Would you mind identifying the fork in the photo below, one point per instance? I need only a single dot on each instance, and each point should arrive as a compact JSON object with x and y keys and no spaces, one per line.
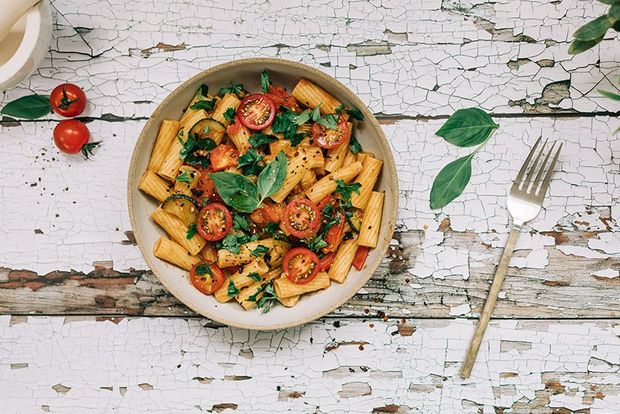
{"x":524,"y":203}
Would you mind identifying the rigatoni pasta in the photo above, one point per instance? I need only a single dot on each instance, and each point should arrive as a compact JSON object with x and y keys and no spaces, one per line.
{"x":263,"y":197}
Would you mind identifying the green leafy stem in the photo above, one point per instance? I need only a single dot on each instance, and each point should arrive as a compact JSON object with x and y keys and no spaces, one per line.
{"x":592,"y":33}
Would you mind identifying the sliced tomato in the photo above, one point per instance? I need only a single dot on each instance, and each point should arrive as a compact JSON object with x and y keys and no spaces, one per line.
{"x":206,"y":277}
{"x":256,"y":111}
{"x":281,"y":98}
{"x":300,"y":265}
{"x":234,"y":127}
{"x":268,"y":213}
{"x":209,"y":253}
{"x":207,"y":186}
{"x":326,"y":262}
{"x":302,"y":218}
{"x":331,"y":138}
{"x":360,"y":257}
{"x":214,"y":222}
{"x":224,"y":156}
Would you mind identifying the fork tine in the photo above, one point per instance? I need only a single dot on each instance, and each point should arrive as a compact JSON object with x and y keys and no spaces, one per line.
{"x":542,"y":170}
{"x":526,"y":163}
{"x":533,"y":168}
{"x":543,"y":189}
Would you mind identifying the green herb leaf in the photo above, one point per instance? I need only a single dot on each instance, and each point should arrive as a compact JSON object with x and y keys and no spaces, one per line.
{"x":229,"y":114}
{"x":28,"y":107}
{"x":272,"y":177}
{"x":264,"y":81}
{"x":240,"y":222}
{"x":235,"y":88}
{"x":232,"y":242}
{"x":258,"y":138}
{"x":316,"y":243}
{"x":260,"y":250}
{"x":614,"y":11}
{"x":191,"y":231}
{"x":206,"y":104}
{"x":236,"y":190}
{"x":232,"y":289}
{"x":467,"y":127}
{"x":346,"y":190}
{"x":610,"y":95}
{"x":578,"y":46}
{"x":250,"y":162}
{"x":594,"y":29}
{"x":451,"y":181}
{"x":255,"y":277}
{"x":184,"y":177}
{"x":354,"y":145}
{"x":316,"y":113}
{"x":353,"y":112}
{"x":203,"y":90}
{"x":329,"y":121}
{"x":268,"y":299}
{"x":271,"y":228}
{"x":203,"y":269}
{"x":194,"y":150}
{"x":302,"y":118}
{"x":297,"y":138}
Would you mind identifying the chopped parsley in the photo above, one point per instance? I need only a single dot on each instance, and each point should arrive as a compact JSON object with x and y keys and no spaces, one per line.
{"x":240,"y":222}
{"x":285,"y":123}
{"x":194,"y":150}
{"x":258,"y":138}
{"x":250,"y":162}
{"x":255,"y":277}
{"x":184,"y":177}
{"x":268,"y":299}
{"x":232,"y":242}
{"x":235,"y":88}
{"x":203,"y":90}
{"x":206,"y":104}
{"x":229,"y":114}
{"x":264,"y":81}
{"x":346,"y":190}
{"x":271,"y":228}
{"x":353,"y":111}
{"x":232,"y":289}
{"x":328,"y":121}
{"x":354,"y":145}
{"x":203,"y":269}
{"x":316,"y":243}
{"x":191,"y":231}
{"x":260,"y":250}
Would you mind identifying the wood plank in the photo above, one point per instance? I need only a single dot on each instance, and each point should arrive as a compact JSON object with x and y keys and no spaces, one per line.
{"x":404,"y":58}
{"x":350,"y":366}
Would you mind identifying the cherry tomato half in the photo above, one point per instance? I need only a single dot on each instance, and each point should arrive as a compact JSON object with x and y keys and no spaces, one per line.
{"x":300,"y":265}
{"x":256,"y":111}
{"x":224,"y":156}
{"x":335,"y":233}
{"x":71,"y":136}
{"x":214,"y":222}
{"x":206,"y":277}
{"x":68,"y":100}
{"x":331,"y":138}
{"x":360,"y":257}
{"x":281,"y":98}
{"x":206,"y":184}
{"x":268,"y":213}
{"x":326,"y":262}
{"x":302,"y":218}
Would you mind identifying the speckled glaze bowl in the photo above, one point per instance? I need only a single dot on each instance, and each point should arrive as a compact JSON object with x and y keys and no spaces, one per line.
{"x":312,"y":306}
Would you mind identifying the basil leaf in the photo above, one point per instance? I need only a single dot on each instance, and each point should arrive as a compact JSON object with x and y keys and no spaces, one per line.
{"x":594,"y":29}
{"x":235,"y":88}
{"x":353,"y":112}
{"x":297,"y":138}
{"x":467,"y":127}
{"x":236,"y":190}
{"x":250,"y":162}
{"x":260,"y":250}
{"x":302,"y":118}
{"x":614,"y":11}
{"x":328,"y":121}
{"x":577,"y":46}
{"x":451,"y":181}
{"x":28,"y":107}
{"x":354,"y":145}
{"x":347,"y":190}
{"x":257,"y":139}
{"x":255,"y":277}
{"x":184,"y":177}
{"x":206,"y":104}
{"x":203,"y":90}
{"x":240,"y":222}
{"x":191,"y":231}
{"x":272,"y":177}
{"x":316,"y":113}
{"x":610,"y":95}
{"x":264,"y":81}
{"x":232,"y":290}
{"x":229,"y":114}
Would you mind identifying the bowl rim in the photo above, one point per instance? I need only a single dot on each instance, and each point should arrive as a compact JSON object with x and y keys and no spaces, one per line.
{"x":389,"y":168}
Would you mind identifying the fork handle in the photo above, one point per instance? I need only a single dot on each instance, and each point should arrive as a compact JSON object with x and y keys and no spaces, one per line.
{"x":483,"y":322}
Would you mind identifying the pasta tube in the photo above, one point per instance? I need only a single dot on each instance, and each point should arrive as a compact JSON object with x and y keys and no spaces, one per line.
{"x":170,"y":166}
{"x":229,"y":100}
{"x":367,"y":178}
{"x":177,"y":231}
{"x":186,"y":180}
{"x":312,"y":96}
{"x":343,"y":260}
{"x":249,"y":296}
{"x":350,"y":158}
{"x":154,"y":186}
{"x":281,"y":145}
{"x":241,"y":279}
{"x":174,"y":253}
{"x":227,"y":258}
{"x":285,"y":288}
{"x":167,"y":134}
{"x":371,"y":221}
{"x":308,"y":180}
{"x":295,"y":171}
{"x":335,"y":157}
{"x":290,"y":301}
{"x":314,"y":157}
{"x":327,"y":184}
{"x":239,"y":134}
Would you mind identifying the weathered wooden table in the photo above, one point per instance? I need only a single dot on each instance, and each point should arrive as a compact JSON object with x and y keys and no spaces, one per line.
{"x":86,"y":328}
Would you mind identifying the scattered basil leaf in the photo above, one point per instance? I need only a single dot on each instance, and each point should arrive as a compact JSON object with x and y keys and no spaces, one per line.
{"x":268,"y":299}
{"x":203,"y":90}
{"x":614,"y":11}
{"x":271,"y":228}
{"x":315,"y":243}
{"x":354,"y":145}
{"x":184,"y":177}
{"x":316,"y":113}
{"x":451,"y":181}
{"x":285,"y":123}
{"x":329,"y":121}
{"x":255,"y":277}
{"x":272,"y":177}
{"x":258,"y":138}
{"x":594,"y":29}
{"x":346,"y":190}
{"x":260,"y":250}
{"x":264,"y":81}
{"x":250,"y":162}
{"x":28,"y":107}
{"x":229,"y":114}
{"x":235,"y":88}
{"x":302,"y":118}
{"x":191,"y":231}
{"x":232,"y":242}
{"x":240,"y":222}
{"x":195,"y":150}
{"x":297,"y":138}
{"x":578,"y":46}
{"x":354,"y":112}
{"x":232,"y":290}
{"x":204,"y":269}
{"x":467,"y":127}
{"x":236,"y":190}
{"x":206,"y":104}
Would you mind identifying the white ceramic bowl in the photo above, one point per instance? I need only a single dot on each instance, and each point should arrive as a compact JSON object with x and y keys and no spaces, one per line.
{"x":22,"y":51}
{"x":312,"y":306}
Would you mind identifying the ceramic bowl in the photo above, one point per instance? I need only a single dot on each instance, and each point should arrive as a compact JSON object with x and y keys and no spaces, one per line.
{"x":22,"y":51}
{"x":311,"y":306}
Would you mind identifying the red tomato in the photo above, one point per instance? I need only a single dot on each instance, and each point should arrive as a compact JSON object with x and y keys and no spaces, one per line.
{"x":300,"y":265}
{"x":334,"y":234}
{"x":256,"y":111}
{"x":331,"y":138}
{"x":206,"y":184}
{"x":281,"y":98}
{"x":268,"y":213}
{"x":68,"y":100}
{"x":360,"y":257}
{"x":206,"y":277}
{"x":224,"y":156}
{"x":71,"y":136}
{"x":326,"y":262}
{"x":302,"y":218}
{"x":214,"y":222}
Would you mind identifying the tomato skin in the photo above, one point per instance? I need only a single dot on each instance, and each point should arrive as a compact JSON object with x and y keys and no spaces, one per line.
{"x":71,"y":135}
{"x":281,"y":98}
{"x":253,"y":105}
{"x":334,"y":235}
{"x":309,"y":260}
{"x":360,"y":257}
{"x":224,"y":156}
{"x":326,"y":262}
{"x":302,"y":218}
{"x":206,"y":184}
{"x":68,"y":100}
{"x":206,"y":283}
{"x":331,"y":138}
{"x":268,"y":213}
{"x":214,"y":222}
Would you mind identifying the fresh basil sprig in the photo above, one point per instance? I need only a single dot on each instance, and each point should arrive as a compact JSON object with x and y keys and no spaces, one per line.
{"x":242,"y":194}
{"x":465,"y":128}
{"x":28,"y":107}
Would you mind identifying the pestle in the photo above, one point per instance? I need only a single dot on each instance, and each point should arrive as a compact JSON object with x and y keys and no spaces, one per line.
{"x":12,"y":11}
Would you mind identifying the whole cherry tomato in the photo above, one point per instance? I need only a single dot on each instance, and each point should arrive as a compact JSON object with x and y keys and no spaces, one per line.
{"x":68,"y":100}
{"x":71,"y":136}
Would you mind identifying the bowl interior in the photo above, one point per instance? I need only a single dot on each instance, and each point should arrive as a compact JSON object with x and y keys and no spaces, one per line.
{"x":10,"y":44}
{"x":176,"y":280}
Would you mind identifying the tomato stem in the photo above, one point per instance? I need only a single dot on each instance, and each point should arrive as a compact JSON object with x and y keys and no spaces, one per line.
{"x":87,"y":149}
